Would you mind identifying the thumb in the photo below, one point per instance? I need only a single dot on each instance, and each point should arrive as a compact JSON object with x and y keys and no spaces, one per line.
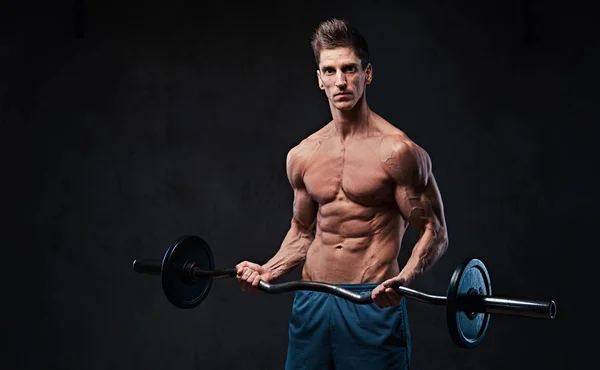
{"x":255,"y":266}
{"x":392,"y":283}
{"x":250,"y":265}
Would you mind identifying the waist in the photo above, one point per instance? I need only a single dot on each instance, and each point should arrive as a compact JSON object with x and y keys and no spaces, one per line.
{"x":361,"y":288}
{"x":357,"y":287}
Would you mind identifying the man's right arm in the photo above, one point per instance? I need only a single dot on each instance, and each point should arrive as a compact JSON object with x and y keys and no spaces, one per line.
{"x":299,"y":237}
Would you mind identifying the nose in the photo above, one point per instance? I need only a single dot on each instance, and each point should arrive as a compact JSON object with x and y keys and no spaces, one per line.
{"x":340,"y":81}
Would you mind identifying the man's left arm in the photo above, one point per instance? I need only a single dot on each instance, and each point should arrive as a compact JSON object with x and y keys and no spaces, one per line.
{"x":424,"y":211}
{"x":420,"y":203}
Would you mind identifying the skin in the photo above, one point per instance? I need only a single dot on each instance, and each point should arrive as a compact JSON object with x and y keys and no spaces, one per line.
{"x":358,"y":183}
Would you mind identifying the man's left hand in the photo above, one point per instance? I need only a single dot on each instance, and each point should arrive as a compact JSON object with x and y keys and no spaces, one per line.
{"x":385,"y":295}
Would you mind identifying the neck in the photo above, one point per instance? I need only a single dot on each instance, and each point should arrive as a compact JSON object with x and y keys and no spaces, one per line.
{"x":351,"y":122}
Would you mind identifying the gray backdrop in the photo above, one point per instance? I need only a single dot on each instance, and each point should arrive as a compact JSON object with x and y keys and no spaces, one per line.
{"x":128,"y":124}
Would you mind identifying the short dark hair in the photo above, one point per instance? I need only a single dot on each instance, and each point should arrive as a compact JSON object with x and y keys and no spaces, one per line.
{"x":335,"y":33}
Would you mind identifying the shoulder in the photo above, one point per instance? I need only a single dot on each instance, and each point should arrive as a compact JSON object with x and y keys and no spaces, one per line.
{"x":304,"y":149}
{"x":404,"y":160}
{"x":398,"y":145}
{"x":299,"y":155}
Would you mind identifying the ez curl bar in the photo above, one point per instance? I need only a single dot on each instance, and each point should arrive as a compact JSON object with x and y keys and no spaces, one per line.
{"x":187,"y":273}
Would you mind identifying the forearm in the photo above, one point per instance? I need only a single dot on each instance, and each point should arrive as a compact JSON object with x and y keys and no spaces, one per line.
{"x":291,"y":253}
{"x":427,"y":251}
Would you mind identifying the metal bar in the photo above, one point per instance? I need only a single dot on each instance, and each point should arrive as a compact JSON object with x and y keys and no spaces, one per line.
{"x":519,"y":307}
{"x":147,"y":267}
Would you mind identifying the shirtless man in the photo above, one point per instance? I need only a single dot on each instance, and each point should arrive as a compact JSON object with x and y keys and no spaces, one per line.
{"x":358,"y":183}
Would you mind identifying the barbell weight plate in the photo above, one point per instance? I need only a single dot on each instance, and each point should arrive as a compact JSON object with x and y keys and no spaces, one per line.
{"x":179,"y":291}
{"x":467,"y":329}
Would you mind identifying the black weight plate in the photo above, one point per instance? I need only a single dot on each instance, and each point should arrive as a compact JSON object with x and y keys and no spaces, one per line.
{"x":181,"y":293}
{"x":467,"y":329}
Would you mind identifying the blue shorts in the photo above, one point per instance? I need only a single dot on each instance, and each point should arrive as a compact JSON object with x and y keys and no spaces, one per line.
{"x":328,"y":332}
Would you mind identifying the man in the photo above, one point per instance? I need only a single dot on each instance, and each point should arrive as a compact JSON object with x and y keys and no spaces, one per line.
{"x":358,"y":183}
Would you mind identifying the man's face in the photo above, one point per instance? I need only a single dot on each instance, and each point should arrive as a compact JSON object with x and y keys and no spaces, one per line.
{"x":342,"y":78}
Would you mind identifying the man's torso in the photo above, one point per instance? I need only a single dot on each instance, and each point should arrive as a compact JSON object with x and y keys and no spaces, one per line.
{"x":359,"y":227}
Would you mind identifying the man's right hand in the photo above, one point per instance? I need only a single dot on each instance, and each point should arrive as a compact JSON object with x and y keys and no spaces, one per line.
{"x":249,"y":274}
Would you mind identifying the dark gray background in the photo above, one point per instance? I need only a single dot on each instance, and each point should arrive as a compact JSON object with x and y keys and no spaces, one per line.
{"x":128,"y":124}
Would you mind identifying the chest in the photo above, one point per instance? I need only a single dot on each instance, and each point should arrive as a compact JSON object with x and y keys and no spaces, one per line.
{"x":352,"y":171}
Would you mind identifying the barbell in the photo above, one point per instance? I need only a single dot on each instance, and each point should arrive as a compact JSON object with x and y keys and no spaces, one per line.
{"x":187,"y":273}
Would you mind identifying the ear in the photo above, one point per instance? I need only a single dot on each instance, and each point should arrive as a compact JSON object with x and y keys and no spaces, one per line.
{"x":321,"y":86}
{"x":369,"y":73}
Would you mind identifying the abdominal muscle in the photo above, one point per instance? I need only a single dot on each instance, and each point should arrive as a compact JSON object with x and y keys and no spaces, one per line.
{"x":354,"y":244}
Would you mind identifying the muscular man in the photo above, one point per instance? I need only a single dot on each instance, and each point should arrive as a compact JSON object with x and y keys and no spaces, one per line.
{"x":358,"y":183}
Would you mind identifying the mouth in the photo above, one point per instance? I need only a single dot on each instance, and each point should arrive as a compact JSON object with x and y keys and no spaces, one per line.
{"x":343,"y":94}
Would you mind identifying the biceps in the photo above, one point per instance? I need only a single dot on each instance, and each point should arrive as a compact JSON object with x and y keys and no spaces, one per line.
{"x":422,"y":208}
{"x":305,"y":210}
